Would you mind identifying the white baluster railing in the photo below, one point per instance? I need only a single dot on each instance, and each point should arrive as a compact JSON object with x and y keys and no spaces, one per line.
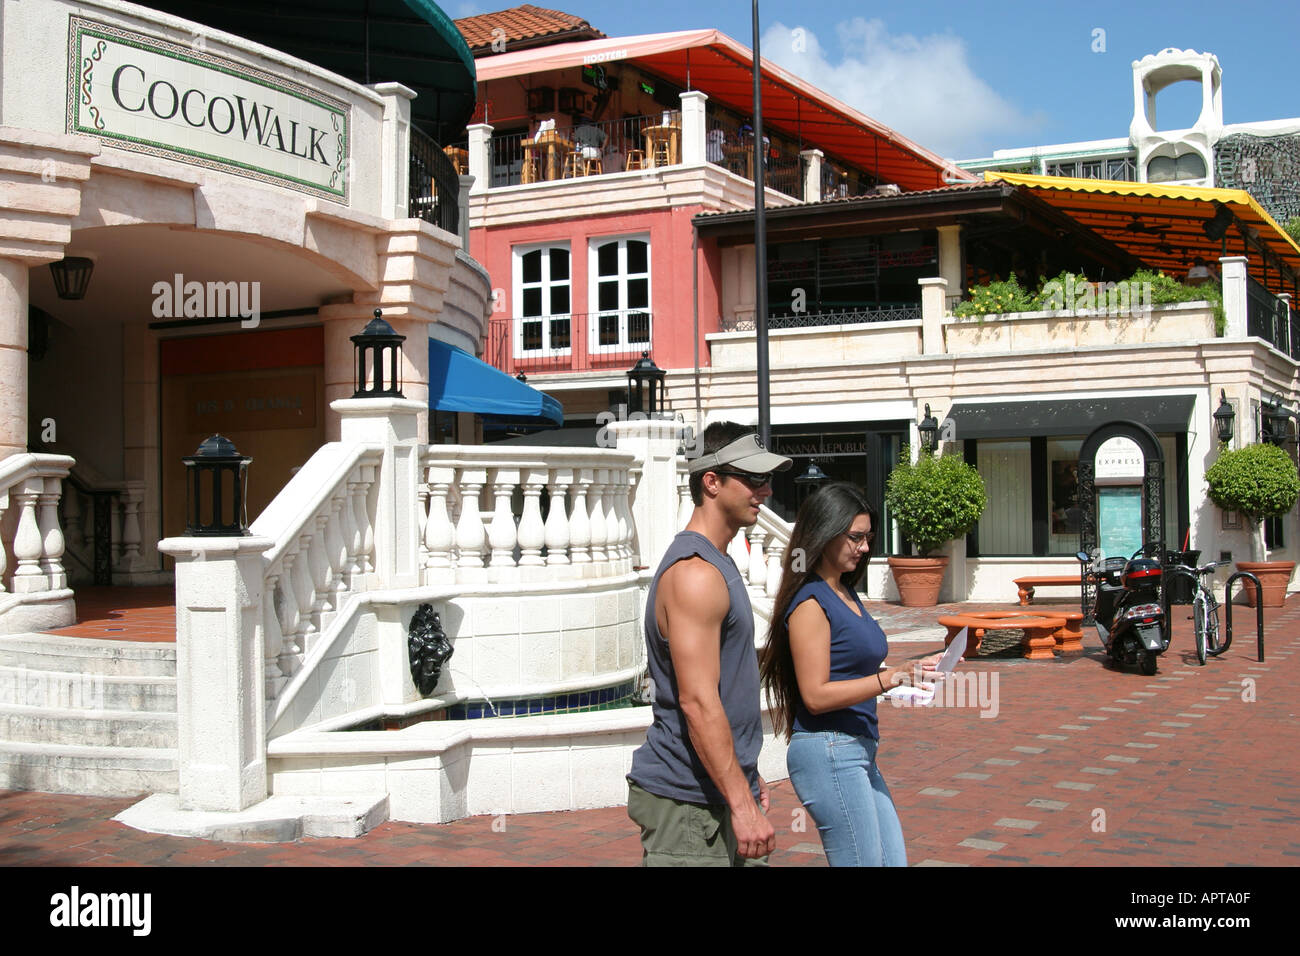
{"x":322,"y":524}
{"x":32,"y":485}
{"x":584,"y":528}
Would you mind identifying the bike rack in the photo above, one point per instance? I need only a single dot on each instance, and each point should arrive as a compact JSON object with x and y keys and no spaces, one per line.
{"x":1259,"y":613}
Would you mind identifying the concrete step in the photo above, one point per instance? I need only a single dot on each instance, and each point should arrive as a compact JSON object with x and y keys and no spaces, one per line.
{"x":87,"y":727}
{"x":278,"y":819}
{"x":53,"y":652}
{"x":29,"y":687}
{"x":94,"y":771}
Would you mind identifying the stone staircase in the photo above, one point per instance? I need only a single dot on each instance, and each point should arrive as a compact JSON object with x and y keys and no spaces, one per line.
{"x":79,"y":715}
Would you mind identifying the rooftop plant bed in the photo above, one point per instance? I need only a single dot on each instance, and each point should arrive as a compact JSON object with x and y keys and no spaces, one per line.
{"x":1074,"y":292}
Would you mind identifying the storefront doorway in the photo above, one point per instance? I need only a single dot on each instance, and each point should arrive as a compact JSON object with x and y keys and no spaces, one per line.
{"x":862,"y":453}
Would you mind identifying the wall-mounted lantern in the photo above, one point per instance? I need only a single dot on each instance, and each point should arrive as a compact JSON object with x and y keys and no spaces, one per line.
{"x":378,"y":352}
{"x":216,"y":490}
{"x":72,"y":276}
{"x":1277,"y":420}
{"x":1224,"y":418}
{"x":929,"y":430}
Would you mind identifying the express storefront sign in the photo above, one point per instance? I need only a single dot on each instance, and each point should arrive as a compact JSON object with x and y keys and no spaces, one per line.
{"x":151,"y":95}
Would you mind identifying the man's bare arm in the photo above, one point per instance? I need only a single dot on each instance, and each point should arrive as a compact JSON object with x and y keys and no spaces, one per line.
{"x":692,"y":603}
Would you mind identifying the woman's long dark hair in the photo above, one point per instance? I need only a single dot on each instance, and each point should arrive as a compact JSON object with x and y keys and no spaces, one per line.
{"x":826,"y":514}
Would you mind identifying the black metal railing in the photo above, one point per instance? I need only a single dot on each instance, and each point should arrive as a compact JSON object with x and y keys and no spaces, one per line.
{"x":568,"y":152}
{"x":576,"y":342}
{"x":729,"y":143}
{"x":434,"y":185}
{"x":886,"y":312}
{"x":1268,"y":318}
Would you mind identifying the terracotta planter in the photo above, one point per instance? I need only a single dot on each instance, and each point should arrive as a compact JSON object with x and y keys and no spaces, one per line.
{"x":1273,"y":576}
{"x":918,"y":579}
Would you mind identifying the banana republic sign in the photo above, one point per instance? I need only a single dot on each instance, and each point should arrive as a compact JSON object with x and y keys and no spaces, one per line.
{"x":180,"y":102}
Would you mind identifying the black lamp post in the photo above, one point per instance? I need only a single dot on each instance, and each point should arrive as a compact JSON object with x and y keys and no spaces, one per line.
{"x":72,"y":276}
{"x":645,"y":386}
{"x":379,"y":349}
{"x":929,"y":429}
{"x":1224,"y":417}
{"x":216,"y":488}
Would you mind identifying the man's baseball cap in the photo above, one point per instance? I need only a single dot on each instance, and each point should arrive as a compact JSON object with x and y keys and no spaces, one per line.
{"x":746,"y":453}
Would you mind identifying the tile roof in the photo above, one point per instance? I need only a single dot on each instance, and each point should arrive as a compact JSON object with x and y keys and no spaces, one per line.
{"x":525,"y":25}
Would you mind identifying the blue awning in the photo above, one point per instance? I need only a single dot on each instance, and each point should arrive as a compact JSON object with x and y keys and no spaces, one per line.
{"x":458,"y":382}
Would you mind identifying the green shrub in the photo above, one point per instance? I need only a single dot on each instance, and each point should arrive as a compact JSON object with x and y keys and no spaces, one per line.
{"x":995,"y":299}
{"x":1292,"y":228}
{"x":935,"y":500}
{"x":1259,"y":481}
{"x":998,"y":298}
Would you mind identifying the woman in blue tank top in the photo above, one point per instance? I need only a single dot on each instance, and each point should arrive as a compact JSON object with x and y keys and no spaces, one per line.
{"x":821,"y":670}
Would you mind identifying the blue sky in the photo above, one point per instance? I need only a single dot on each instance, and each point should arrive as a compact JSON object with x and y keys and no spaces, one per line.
{"x":964,"y":78}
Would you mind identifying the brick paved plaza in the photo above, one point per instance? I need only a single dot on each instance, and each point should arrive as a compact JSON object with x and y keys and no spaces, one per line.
{"x":1081,"y":766}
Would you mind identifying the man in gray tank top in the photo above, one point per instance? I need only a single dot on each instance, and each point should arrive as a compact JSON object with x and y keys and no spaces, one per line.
{"x":694,"y":787}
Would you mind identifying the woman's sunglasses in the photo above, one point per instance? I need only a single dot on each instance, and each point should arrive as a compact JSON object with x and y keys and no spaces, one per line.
{"x":857,"y":538}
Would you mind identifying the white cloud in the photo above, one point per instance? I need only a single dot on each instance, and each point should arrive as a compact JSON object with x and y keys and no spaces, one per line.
{"x":924,"y":87}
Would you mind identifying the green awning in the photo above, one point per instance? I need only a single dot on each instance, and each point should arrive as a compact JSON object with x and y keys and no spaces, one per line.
{"x":411,"y":42}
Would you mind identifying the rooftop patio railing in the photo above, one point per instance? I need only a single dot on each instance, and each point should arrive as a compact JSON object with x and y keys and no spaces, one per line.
{"x":569,"y":152}
{"x":1269,"y":317}
{"x":729,"y":143}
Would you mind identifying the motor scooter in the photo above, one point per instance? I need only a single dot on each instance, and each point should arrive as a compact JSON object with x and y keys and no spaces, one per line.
{"x":1129,"y":616}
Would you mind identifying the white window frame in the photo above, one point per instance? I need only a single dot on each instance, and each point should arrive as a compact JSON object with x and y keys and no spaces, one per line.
{"x":594,"y":313}
{"x":546,"y":284}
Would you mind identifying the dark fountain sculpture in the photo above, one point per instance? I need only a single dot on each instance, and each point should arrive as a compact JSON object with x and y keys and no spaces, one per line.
{"x":428,"y":647}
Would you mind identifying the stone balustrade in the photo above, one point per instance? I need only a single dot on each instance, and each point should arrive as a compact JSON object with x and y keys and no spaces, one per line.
{"x":34,"y":590}
{"x":322,"y":524}
{"x":483,"y":520}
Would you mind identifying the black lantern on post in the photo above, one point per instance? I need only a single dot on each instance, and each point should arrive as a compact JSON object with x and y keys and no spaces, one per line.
{"x":216,"y":489}
{"x":809,"y":481}
{"x":72,"y":276}
{"x":1224,"y":417}
{"x":929,"y":429}
{"x":645,"y":386}
{"x":379,"y":349}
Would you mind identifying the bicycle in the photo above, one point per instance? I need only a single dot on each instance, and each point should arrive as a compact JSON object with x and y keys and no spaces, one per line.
{"x":1205,"y":611}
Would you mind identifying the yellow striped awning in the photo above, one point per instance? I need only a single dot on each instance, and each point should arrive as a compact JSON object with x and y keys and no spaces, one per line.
{"x":1162,"y":224}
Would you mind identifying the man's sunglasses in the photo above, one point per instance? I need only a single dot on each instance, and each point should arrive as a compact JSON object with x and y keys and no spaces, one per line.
{"x":754,"y":481}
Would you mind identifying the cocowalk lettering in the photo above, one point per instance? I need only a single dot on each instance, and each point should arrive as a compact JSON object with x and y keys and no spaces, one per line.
{"x":151,"y":95}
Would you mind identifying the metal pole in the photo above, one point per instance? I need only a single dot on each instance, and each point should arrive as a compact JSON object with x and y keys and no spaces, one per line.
{"x":760,"y":248}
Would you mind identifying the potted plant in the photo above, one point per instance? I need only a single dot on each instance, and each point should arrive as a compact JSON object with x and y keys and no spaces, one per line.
{"x":1258,"y":482}
{"x":935,"y":500}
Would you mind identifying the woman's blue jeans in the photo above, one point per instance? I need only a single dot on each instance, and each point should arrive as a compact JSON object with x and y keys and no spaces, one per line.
{"x":836,"y":778}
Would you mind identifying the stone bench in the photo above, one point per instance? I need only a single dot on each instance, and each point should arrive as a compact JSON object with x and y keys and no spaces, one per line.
{"x":1044,"y":633}
{"x":1027,"y":584}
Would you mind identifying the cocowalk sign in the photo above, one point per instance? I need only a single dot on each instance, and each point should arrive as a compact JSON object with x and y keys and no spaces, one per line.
{"x":180,"y":102}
